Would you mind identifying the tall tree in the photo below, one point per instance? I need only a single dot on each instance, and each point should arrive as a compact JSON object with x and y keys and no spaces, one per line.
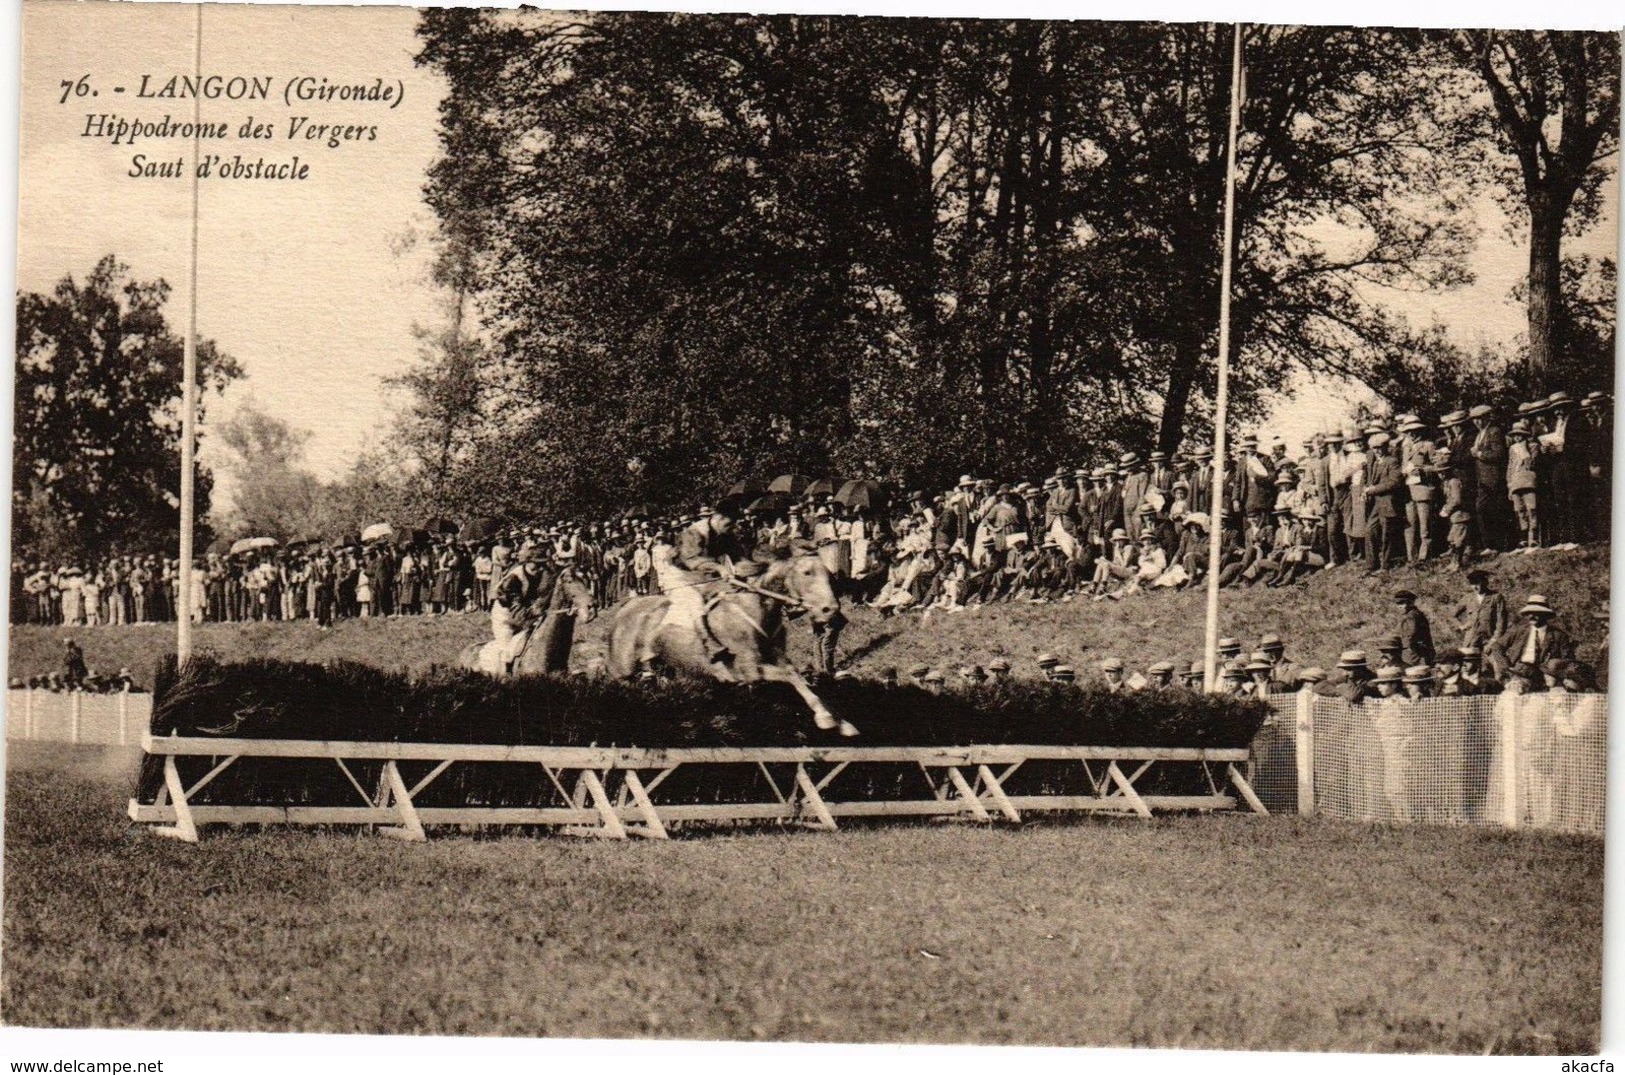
{"x":96,"y":446}
{"x":731,"y":244}
{"x":1555,"y":101}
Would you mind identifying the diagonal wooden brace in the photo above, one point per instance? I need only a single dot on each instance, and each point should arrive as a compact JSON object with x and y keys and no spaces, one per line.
{"x":1246,"y":790}
{"x":811,"y":800}
{"x":184,"y":828}
{"x":651,"y":827}
{"x":995,"y":791}
{"x":1126,"y":786}
{"x":411,"y":826}
{"x":967,"y":794}
{"x":609,"y":826}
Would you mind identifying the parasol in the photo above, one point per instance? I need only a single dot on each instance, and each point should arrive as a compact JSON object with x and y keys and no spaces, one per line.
{"x":772,"y":503}
{"x":640,"y":511}
{"x":251,"y":544}
{"x":794,"y":484}
{"x":482,"y":528}
{"x":377,"y":532}
{"x":821,"y":487}
{"x":746,"y":489}
{"x":861,"y":494}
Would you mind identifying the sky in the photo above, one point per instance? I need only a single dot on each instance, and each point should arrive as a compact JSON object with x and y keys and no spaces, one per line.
{"x":316,"y":286}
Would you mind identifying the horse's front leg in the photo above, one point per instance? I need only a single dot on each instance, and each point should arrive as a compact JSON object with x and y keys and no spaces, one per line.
{"x":775,"y":673}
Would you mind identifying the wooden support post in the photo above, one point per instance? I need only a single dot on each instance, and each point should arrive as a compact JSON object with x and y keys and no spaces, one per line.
{"x":1305,"y":745}
{"x":967,"y":794}
{"x":1127,"y":788}
{"x":812,"y":800}
{"x":123,"y":717}
{"x":651,"y":827}
{"x":1246,"y":789}
{"x":1511,"y":785}
{"x":184,"y":828}
{"x":411,"y":827}
{"x":75,"y":704}
{"x":995,"y":791}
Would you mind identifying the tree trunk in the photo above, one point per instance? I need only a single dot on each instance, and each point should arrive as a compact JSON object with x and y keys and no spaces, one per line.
{"x":1546,"y":212}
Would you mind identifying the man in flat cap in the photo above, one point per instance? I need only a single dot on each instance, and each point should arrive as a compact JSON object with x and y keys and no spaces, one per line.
{"x":1482,"y":617}
{"x":1415,"y":633}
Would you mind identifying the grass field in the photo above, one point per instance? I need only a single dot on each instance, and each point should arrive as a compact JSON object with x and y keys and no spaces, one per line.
{"x":1332,"y":611}
{"x":1221,"y":932}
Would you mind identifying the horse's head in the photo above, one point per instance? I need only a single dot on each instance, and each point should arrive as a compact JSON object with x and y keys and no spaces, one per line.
{"x":573,"y":594}
{"x":805,"y":580}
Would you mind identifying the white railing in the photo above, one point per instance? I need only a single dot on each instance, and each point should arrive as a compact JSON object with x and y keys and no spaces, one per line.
{"x":77,"y":716}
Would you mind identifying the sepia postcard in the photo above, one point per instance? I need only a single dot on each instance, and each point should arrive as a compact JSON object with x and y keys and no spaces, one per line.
{"x":702,"y":528}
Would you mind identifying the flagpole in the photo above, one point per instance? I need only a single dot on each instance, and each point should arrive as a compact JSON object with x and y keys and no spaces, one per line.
{"x":183,"y":612}
{"x":1221,"y":401}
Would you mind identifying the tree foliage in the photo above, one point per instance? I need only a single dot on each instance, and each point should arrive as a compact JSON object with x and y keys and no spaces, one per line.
{"x":96,"y":445}
{"x":1554,"y":112}
{"x":708,"y":246}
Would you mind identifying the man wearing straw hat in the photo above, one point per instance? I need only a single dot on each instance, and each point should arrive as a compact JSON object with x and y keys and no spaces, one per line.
{"x":1532,"y":641}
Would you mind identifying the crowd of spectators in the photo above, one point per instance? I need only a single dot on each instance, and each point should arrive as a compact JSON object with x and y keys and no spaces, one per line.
{"x":1526,"y":652}
{"x":1375,"y":495}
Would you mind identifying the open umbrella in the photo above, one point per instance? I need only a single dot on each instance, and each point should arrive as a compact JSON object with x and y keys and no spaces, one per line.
{"x":251,"y":544}
{"x":821,"y":487}
{"x":750,"y":487}
{"x":861,"y":494}
{"x":640,"y":511}
{"x":794,"y":484}
{"x":440,"y":525}
{"x":481,"y":528}
{"x":772,"y":503}
{"x":377,"y":532}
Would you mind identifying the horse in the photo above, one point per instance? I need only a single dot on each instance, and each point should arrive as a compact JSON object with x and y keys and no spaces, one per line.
{"x":547,"y":647}
{"x":748,"y":619}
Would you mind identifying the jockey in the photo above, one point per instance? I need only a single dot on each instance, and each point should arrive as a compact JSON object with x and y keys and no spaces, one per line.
{"x":523,"y":585}
{"x":706,"y":552}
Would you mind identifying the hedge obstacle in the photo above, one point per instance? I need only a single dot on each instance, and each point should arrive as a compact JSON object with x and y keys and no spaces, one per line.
{"x":269,"y":742}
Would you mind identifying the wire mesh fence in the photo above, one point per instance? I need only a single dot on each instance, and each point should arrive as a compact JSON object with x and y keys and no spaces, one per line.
{"x":1518,"y":760}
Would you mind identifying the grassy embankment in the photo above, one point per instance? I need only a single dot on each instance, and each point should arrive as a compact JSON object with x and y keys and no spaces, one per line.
{"x":1332,"y":611}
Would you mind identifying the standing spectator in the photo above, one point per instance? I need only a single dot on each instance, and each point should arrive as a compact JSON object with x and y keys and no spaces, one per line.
{"x":1415,"y":633}
{"x":1382,"y":491}
{"x":1489,"y":452}
{"x":73,"y":663}
{"x":1482,"y":616}
{"x":1521,"y":482}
